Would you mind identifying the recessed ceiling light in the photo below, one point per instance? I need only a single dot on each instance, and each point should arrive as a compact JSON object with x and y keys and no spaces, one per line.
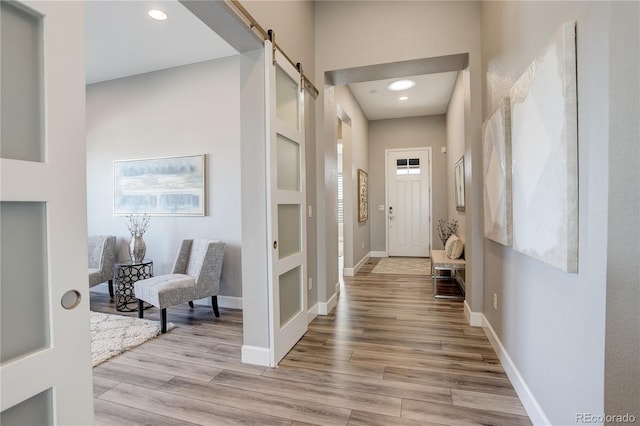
{"x":403,"y":98}
{"x":399,"y":85}
{"x":158,"y":14}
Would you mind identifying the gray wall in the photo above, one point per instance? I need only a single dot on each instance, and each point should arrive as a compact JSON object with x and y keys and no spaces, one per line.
{"x":355,"y":156}
{"x":550,"y":322}
{"x":413,"y":132}
{"x":622,"y":368}
{"x":293,"y":23}
{"x":428,"y":29}
{"x":455,"y":150}
{"x":193,"y":109}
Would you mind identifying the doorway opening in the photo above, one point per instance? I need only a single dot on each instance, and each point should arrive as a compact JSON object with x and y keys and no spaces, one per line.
{"x":408,"y":198}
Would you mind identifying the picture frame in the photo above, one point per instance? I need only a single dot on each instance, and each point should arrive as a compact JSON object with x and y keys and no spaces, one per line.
{"x":458,"y":172}
{"x":544,"y":154}
{"x":161,"y":186}
{"x":363,"y":196}
{"x":496,"y":151}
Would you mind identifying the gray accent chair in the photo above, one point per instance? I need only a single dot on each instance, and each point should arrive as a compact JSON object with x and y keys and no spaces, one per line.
{"x":195,"y":275}
{"x":102,"y":256}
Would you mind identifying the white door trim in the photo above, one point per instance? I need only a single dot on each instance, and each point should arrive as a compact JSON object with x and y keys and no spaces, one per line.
{"x":427,"y":149}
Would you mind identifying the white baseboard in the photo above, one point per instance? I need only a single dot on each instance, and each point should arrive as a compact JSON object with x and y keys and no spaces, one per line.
{"x":100,"y":288}
{"x":534,"y":410}
{"x":312,"y":313}
{"x":474,"y":318}
{"x":255,"y":355}
{"x":325,"y":307}
{"x":230,"y":302}
{"x":379,"y":254}
{"x":350,"y":272}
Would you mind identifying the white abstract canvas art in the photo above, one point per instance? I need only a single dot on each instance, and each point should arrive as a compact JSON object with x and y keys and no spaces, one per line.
{"x":545,"y":155}
{"x":496,"y":149}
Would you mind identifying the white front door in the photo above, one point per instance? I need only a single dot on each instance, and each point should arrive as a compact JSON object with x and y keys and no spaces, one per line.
{"x":408,"y":202}
{"x":45,"y":362}
{"x":286,"y":204}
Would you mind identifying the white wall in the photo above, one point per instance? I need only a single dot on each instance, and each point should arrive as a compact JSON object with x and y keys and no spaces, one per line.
{"x":551,"y":323}
{"x":193,"y":109}
{"x":412,"y":132}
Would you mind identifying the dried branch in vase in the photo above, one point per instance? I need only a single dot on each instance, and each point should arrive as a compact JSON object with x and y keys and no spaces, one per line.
{"x":138,"y":225}
{"x":447,"y":229}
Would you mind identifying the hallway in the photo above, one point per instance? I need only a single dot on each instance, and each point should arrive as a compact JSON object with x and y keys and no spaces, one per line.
{"x":388,"y":354}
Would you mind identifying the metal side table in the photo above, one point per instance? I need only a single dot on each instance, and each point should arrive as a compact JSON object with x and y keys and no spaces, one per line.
{"x":124,"y":276}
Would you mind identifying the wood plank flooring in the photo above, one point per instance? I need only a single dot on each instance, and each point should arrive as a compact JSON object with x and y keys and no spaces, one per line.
{"x":388,"y":354}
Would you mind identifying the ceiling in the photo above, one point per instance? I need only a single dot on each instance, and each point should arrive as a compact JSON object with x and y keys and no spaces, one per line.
{"x":430,"y":96}
{"x":122,"y":40}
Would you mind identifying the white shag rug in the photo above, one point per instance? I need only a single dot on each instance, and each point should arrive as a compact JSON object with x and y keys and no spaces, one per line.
{"x":113,"y":334}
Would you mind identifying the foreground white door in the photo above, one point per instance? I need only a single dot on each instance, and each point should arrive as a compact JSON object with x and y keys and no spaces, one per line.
{"x":45,"y":365}
{"x":408,"y":202}
{"x":286,"y":205}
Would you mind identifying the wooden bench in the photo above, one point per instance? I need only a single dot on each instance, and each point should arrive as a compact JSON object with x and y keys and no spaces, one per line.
{"x":440,"y":262}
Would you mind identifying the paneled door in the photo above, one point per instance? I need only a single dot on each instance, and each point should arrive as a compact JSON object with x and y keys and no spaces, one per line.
{"x":285,"y":204}
{"x":408,"y":202}
{"x":45,"y":356}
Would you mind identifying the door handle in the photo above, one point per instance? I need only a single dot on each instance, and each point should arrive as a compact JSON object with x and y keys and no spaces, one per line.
{"x":71,"y":299}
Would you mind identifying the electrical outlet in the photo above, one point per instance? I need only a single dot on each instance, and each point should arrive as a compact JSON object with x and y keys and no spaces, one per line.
{"x":363,"y":244}
{"x":310,"y":211}
{"x":310,"y":283}
{"x":495,"y":301}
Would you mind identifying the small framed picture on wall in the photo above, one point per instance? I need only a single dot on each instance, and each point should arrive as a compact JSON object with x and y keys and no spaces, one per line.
{"x":363,"y":196}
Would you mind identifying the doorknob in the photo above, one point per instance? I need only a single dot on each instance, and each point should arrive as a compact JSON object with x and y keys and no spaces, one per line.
{"x":71,"y":299}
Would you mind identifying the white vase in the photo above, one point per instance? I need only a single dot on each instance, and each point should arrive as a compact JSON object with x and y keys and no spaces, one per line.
{"x":137,"y":249}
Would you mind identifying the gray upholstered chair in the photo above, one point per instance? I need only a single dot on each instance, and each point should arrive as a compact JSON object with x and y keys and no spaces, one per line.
{"x":102,"y":256}
{"x":195,"y":275}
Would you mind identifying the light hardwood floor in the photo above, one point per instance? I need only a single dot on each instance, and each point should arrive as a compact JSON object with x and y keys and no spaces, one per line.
{"x":388,"y":354}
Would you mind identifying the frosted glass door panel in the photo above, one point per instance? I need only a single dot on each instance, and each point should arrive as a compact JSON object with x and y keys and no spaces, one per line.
{"x":290,"y":294}
{"x":24,"y":313}
{"x":288,"y":164}
{"x":287,"y":99}
{"x":288,"y":230}
{"x":21,"y":105}
{"x":37,"y":410}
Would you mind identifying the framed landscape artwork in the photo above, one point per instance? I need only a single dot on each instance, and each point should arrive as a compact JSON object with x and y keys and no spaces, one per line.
{"x":496,"y":150}
{"x":363,"y":196}
{"x":168,"y":186}
{"x":544,"y":142}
